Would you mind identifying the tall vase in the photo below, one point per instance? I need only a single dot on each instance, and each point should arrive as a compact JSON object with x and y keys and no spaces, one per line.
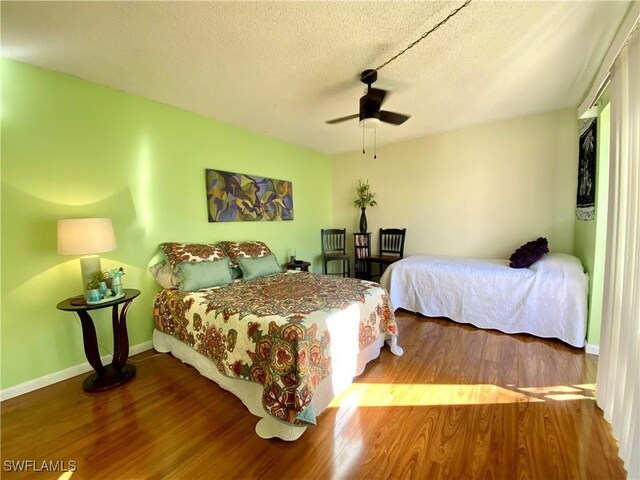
{"x":363,"y":221}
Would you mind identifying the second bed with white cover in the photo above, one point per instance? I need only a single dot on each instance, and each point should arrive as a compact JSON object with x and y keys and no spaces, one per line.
{"x":548,"y":299}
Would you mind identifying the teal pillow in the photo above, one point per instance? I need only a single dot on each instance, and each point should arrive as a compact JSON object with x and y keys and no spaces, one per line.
{"x":259,"y":266}
{"x":194,"y":276}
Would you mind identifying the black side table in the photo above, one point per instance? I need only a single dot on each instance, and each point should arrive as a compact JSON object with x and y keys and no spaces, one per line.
{"x":119,"y":371}
{"x":299,"y":264}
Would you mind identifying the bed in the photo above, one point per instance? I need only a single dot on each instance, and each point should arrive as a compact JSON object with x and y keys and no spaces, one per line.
{"x":286,"y":344}
{"x":548,"y":299}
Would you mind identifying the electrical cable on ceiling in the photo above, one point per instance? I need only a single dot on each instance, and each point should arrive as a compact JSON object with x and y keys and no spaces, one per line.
{"x":424,"y":35}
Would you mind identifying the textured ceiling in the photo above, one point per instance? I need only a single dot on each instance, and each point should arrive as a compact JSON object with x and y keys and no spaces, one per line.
{"x":283,"y":68}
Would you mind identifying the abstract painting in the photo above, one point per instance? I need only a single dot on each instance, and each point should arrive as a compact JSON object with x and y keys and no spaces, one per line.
{"x":238,"y":197}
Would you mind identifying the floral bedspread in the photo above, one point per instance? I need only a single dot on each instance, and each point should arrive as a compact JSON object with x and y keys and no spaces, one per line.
{"x":273,"y":330}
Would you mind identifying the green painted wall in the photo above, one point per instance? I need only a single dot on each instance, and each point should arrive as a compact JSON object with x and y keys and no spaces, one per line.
{"x":590,"y":237}
{"x":70,"y":149}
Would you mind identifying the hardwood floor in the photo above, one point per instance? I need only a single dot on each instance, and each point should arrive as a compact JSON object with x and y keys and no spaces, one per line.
{"x":461,"y":403}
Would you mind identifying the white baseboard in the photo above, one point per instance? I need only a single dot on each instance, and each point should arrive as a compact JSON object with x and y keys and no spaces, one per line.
{"x":592,"y":349}
{"x":70,"y":372}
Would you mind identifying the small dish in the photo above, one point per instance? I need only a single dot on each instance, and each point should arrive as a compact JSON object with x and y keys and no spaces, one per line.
{"x":105,"y":300}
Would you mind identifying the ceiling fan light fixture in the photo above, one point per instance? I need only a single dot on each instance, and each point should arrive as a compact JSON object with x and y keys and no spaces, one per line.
{"x":372,"y":122}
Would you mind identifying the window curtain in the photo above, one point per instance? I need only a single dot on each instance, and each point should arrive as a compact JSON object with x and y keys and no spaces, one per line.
{"x":618,"y":382}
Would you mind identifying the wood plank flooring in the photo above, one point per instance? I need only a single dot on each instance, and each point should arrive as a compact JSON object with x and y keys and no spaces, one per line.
{"x":462,"y":403}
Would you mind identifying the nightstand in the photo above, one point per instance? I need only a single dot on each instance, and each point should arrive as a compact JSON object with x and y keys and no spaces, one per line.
{"x":119,"y":371}
{"x":298,"y":265}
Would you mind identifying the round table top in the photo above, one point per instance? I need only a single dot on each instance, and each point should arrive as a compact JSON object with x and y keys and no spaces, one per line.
{"x":73,"y":304}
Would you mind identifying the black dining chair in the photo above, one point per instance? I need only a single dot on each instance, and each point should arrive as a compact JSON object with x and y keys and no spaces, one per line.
{"x":390,"y":249}
{"x":334,"y":248}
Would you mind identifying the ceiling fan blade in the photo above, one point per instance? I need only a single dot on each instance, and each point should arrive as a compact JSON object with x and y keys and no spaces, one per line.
{"x":393,"y":117}
{"x":377,"y":94}
{"x":343,"y":119}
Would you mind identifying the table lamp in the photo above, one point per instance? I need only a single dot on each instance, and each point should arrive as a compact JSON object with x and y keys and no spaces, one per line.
{"x":86,"y":237}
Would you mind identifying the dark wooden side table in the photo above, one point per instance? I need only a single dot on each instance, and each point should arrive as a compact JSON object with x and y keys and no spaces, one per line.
{"x":119,"y":371}
{"x":301,"y":265}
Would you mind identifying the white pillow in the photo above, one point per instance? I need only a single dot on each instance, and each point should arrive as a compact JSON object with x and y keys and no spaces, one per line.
{"x":164,"y":275}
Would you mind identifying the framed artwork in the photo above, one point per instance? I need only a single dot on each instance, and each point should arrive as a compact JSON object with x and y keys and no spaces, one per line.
{"x":585,"y":204}
{"x":238,"y":197}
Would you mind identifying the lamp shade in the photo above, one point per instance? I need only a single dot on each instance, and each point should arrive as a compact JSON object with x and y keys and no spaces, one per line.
{"x":85,"y":236}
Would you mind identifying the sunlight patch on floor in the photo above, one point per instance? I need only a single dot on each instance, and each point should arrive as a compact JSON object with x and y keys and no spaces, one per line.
{"x":562,"y":397}
{"x":554,"y":389}
{"x":587,"y":386}
{"x":563,"y":392}
{"x":404,"y":395}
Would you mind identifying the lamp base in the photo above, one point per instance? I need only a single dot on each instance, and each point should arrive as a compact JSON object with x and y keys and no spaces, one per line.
{"x":89,"y":265}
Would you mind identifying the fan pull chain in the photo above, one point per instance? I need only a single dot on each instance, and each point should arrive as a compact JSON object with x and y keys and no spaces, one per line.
{"x":375,"y":144}
{"x":363,"y":139}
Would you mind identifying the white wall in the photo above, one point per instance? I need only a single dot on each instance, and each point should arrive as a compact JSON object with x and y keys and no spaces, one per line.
{"x":481,"y":191}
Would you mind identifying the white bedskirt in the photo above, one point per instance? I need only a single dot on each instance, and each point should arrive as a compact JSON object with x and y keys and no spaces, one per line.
{"x":251,"y":393}
{"x":548,"y":299}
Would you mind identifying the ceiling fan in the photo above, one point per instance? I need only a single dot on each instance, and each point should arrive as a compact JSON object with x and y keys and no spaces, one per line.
{"x":370,"y":114}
